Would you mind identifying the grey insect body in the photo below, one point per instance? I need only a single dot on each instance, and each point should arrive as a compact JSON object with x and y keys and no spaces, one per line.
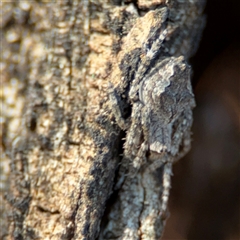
{"x":156,"y":86}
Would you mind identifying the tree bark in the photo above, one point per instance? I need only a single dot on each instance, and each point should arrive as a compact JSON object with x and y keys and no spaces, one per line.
{"x":59,"y":135}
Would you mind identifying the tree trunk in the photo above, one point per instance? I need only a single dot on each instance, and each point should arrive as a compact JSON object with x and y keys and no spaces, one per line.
{"x":60,"y":134}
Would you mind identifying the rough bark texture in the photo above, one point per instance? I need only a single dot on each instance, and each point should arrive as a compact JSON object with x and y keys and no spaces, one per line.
{"x":59,"y":133}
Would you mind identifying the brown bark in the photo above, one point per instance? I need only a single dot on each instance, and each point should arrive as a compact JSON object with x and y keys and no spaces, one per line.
{"x":60,"y":145}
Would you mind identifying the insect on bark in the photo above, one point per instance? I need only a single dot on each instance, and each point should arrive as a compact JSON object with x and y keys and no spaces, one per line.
{"x":156,"y":87}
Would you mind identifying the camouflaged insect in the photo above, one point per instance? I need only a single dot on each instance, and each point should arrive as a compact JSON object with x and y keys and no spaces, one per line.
{"x":154,"y":86}
{"x":158,"y":92}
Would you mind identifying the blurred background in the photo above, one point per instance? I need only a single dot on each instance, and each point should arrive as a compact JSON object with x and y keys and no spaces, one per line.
{"x":205,"y":195}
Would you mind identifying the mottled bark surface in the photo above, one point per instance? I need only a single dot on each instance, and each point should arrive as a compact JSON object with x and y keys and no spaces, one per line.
{"x":58,"y":131}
